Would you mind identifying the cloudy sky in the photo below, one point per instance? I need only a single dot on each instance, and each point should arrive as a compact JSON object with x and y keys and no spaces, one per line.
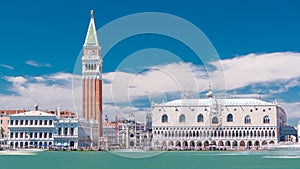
{"x":251,"y":48}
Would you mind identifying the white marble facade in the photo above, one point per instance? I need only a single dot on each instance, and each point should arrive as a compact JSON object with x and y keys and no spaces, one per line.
{"x":33,"y":129}
{"x":216,"y":123}
{"x":38,"y":129}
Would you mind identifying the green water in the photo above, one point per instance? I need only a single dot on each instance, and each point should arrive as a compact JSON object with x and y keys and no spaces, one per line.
{"x":166,"y":160}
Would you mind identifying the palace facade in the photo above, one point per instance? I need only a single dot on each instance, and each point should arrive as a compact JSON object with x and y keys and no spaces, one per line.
{"x":211,"y":123}
{"x":39,"y":129}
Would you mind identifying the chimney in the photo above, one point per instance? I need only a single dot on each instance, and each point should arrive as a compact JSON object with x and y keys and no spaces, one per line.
{"x":58,"y":112}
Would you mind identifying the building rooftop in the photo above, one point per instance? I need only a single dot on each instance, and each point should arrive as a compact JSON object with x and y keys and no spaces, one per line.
{"x":9,"y":112}
{"x":207,"y":102}
{"x":33,"y":113}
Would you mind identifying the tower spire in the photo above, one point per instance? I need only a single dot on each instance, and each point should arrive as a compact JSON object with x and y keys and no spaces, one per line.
{"x":91,"y":38}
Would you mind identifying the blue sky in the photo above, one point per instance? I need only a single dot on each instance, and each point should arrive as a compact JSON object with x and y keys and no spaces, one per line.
{"x":41,"y":40}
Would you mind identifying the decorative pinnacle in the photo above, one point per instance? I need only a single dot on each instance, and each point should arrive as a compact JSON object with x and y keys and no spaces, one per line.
{"x":209,"y":85}
{"x":92,"y":13}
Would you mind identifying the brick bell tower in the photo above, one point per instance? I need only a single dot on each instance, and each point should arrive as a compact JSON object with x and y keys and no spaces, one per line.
{"x":92,"y":78}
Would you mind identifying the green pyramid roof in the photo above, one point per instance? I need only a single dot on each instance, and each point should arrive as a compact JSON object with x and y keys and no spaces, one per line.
{"x":91,"y":36}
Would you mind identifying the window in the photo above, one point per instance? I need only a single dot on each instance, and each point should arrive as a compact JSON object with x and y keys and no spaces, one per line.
{"x":229,"y":118}
{"x":11,"y":122}
{"x":41,"y":122}
{"x":50,"y":135}
{"x":45,"y":122}
{"x":26,"y":122}
{"x":35,"y":122}
{"x":66,"y":131}
{"x":266,"y":120}
{"x":182,"y":118}
{"x":72,"y":131}
{"x":50,"y":122}
{"x":17,"y":122}
{"x":21,"y":122}
{"x":164,"y":118}
{"x":215,"y":120}
{"x":59,"y":131}
{"x":31,"y":122}
{"x":247,"y":120}
{"x":200,"y":118}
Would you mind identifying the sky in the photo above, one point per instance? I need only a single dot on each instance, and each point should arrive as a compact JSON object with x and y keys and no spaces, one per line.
{"x":257,"y":46}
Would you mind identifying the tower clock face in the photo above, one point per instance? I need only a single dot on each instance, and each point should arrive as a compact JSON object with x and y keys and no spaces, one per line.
{"x":91,"y":52}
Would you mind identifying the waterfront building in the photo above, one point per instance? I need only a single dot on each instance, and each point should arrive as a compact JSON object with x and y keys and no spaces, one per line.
{"x":66,"y":134}
{"x":125,"y":134}
{"x":40,"y":129}
{"x":4,"y":121}
{"x":66,"y":130}
{"x":288,"y":133}
{"x":212,"y":123}
{"x":91,"y":86}
{"x":31,"y":129}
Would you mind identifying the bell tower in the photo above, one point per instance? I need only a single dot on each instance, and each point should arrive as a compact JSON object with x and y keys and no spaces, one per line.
{"x":92,"y":78}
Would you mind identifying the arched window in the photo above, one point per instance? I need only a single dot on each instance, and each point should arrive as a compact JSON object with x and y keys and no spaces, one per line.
{"x":182,"y":118}
{"x":214,"y":120}
{"x":200,"y":118}
{"x":229,"y":118}
{"x":164,"y":118}
{"x":247,"y":119}
{"x":266,"y":120}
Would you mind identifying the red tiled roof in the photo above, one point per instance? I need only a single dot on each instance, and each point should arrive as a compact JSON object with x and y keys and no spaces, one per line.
{"x":8,"y":112}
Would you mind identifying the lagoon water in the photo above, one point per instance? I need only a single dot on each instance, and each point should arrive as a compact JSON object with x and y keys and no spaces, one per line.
{"x":164,"y":160}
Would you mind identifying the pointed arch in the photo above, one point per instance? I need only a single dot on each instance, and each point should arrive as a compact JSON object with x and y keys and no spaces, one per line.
{"x":266,"y":119}
{"x":164,"y":118}
{"x":247,"y":120}
{"x":215,"y":120}
{"x":200,"y":118}
{"x":230,"y":118}
{"x":182,"y":118}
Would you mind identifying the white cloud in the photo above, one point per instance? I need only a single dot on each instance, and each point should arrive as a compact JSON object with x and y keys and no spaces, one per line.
{"x":26,"y":91}
{"x":259,"y":68}
{"x":7,"y":66}
{"x":40,"y":79}
{"x":37,"y":64}
{"x":16,"y":80}
{"x":161,"y":79}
